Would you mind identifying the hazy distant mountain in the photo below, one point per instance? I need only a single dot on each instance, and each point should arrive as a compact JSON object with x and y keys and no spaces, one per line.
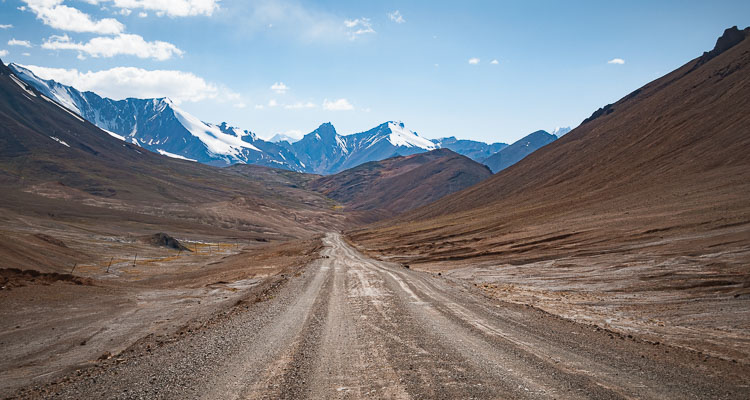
{"x":477,"y":151}
{"x":281,"y":137}
{"x":518,"y":150}
{"x":560,"y":131}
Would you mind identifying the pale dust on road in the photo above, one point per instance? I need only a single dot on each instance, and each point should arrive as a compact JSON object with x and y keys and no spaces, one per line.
{"x":354,"y":327}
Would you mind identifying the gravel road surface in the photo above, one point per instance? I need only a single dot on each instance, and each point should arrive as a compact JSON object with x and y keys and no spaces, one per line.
{"x":353,"y":327}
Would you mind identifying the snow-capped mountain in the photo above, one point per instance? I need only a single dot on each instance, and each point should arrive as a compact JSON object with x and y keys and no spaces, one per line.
{"x":324,"y":151}
{"x":162,"y":127}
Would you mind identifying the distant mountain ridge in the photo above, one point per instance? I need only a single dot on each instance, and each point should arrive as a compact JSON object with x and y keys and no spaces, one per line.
{"x":477,"y":151}
{"x":160,"y":126}
{"x":518,"y":150}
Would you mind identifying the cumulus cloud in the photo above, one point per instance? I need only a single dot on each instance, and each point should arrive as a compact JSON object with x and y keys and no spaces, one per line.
{"x":6,"y":26}
{"x":299,"y":105}
{"x":358,"y":27}
{"x":123,"y":82}
{"x":59,"y":16}
{"x":619,"y":61}
{"x":279,"y":87}
{"x":170,"y":8}
{"x":272,"y":103}
{"x":473,"y":61}
{"x":337,"y":105}
{"x":26,"y":54}
{"x":3,"y":53}
{"x":16,"y":42}
{"x":123,"y":44}
{"x":494,"y":62}
{"x":396,"y":17}
{"x":142,"y":14}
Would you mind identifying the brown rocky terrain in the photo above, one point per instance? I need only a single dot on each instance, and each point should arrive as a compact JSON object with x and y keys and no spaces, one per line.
{"x":395,"y":185}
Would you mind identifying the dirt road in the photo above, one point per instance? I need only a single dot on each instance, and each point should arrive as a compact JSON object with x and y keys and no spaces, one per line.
{"x":353,"y":327}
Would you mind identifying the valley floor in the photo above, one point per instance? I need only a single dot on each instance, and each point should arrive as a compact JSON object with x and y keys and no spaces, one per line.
{"x":347,"y":326}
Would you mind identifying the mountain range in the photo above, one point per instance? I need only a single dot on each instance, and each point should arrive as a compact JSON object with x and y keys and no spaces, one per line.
{"x":161,"y":126}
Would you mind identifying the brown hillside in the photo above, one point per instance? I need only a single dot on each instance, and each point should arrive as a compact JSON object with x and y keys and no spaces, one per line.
{"x":395,"y":185}
{"x":673,"y":156}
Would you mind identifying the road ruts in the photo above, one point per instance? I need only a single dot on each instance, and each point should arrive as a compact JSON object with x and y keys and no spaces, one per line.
{"x":352,"y":327}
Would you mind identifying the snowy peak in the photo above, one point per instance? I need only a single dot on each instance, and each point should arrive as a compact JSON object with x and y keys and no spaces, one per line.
{"x":401,"y":136}
{"x":65,"y":95}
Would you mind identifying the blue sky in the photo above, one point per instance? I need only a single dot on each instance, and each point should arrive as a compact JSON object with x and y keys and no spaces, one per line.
{"x":286,"y":66}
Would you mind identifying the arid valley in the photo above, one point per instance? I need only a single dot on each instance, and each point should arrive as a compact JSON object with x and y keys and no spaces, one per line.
{"x":608,"y":262}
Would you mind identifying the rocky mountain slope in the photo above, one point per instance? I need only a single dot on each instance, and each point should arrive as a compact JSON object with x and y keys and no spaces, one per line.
{"x":394,"y":185}
{"x":671,"y":159}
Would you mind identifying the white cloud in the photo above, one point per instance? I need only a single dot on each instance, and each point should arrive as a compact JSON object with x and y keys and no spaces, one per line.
{"x":3,"y":53}
{"x":123,"y":44}
{"x":272,"y":103}
{"x":494,"y":62}
{"x":239,"y":105}
{"x":396,"y":17}
{"x":295,"y":19}
{"x":358,"y":27}
{"x":16,"y":42}
{"x":619,"y":61}
{"x":59,"y":16}
{"x":142,"y":14}
{"x":125,"y":11}
{"x":337,"y":105}
{"x":123,"y":82}
{"x":6,"y":26}
{"x":279,"y":87}
{"x":25,"y":54}
{"x":170,"y":8}
{"x":259,"y":106}
{"x":299,"y":105}
{"x":474,"y":61}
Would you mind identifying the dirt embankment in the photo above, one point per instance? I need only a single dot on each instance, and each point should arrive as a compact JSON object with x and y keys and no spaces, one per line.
{"x":14,"y":277}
